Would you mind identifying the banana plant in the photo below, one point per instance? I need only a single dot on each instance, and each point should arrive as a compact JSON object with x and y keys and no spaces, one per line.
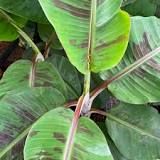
{"x":47,"y":104}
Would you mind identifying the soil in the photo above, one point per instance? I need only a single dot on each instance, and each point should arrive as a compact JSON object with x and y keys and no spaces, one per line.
{"x":9,"y":53}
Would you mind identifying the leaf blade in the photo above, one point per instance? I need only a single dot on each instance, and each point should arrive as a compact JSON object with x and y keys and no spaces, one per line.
{"x":56,"y":134}
{"x":138,"y":125}
{"x":145,"y":78}
{"x":25,"y":108}
{"x":78,"y":37}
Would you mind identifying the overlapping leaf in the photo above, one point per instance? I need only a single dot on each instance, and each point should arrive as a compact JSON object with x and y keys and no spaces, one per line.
{"x":7,"y":31}
{"x":135,"y":131}
{"x":69,"y":75}
{"x":127,"y":2}
{"x":20,"y":109}
{"x":137,"y":8}
{"x":27,"y":9}
{"x":142,"y":85}
{"x":21,"y":105}
{"x":47,"y":34}
{"x":17,"y":77}
{"x":47,"y":138}
{"x":94,"y":33}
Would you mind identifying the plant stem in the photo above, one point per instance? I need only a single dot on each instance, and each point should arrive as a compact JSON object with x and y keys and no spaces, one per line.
{"x":71,"y":104}
{"x":48,"y":45}
{"x":87,"y":79}
{"x":96,"y":111}
{"x":73,"y":129}
{"x":123,"y":73}
{"x":21,"y":32}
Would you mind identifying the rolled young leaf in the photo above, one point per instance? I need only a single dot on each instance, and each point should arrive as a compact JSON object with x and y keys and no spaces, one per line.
{"x":48,"y":137}
{"x":138,"y":86}
{"x":135,"y":131}
{"x":93,"y":33}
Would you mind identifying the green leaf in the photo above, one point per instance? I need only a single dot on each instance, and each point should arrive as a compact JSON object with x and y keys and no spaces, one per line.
{"x":137,"y":8}
{"x":47,"y":34}
{"x":69,"y":75}
{"x":7,"y":31}
{"x":127,"y":2}
{"x":115,"y":152}
{"x":138,"y":86}
{"x":93,"y":33}
{"x":47,"y":138}
{"x":27,"y":9}
{"x":18,"y":74}
{"x":19,"y":111}
{"x":16,"y":153}
{"x":135,"y":131}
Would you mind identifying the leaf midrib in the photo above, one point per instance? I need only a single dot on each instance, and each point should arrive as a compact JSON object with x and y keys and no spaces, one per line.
{"x":92,"y":32}
{"x":14,"y":142}
{"x":135,"y":128}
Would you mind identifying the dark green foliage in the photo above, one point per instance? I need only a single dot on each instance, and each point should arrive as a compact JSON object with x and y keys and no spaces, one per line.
{"x":49,"y":98}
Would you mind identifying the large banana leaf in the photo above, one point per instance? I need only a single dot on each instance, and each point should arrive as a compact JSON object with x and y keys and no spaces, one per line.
{"x":93,"y":33}
{"x":18,"y":74}
{"x":135,"y":131}
{"x":7,"y":31}
{"x":20,"y":109}
{"x":142,"y":85}
{"x":48,"y":137}
{"x":27,"y":9}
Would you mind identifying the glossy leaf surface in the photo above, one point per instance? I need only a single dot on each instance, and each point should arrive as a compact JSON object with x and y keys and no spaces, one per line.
{"x":143,"y":84}
{"x":94,"y":33}
{"x":47,"y":138}
{"x":7,"y":31}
